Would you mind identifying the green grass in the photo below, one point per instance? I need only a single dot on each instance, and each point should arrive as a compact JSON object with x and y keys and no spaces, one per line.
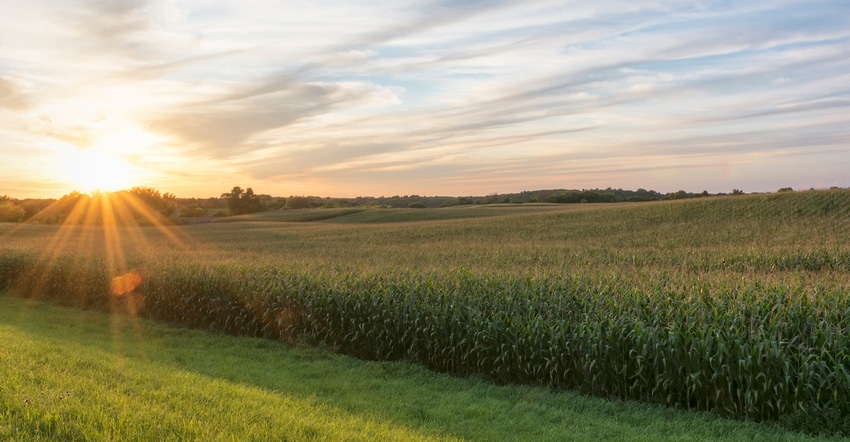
{"x":68,"y":374}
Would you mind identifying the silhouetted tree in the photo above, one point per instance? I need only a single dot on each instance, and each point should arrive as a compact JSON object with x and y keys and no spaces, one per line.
{"x":240,"y":202}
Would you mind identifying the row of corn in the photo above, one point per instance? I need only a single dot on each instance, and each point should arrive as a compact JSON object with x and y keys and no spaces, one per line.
{"x":758,"y":352}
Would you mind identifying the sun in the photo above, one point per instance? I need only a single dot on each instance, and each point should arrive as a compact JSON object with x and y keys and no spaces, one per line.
{"x":93,"y":170}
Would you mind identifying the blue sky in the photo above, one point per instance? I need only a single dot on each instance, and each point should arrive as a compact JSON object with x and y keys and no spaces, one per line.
{"x":432,"y":98}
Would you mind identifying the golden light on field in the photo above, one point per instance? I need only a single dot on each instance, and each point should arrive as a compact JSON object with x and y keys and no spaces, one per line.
{"x":92,"y":170}
{"x":107,"y":230}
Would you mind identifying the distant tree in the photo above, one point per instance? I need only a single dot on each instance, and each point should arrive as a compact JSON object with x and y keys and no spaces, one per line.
{"x":493,"y":198}
{"x":786,"y":189}
{"x":268,"y":202}
{"x":297,"y":202}
{"x":213,"y":203}
{"x":677,"y":195}
{"x":240,"y":202}
{"x":416,"y":206}
{"x":251,"y":203}
{"x":464,"y":201}
{"x":192,"y":211}
{"x":233,"y":203}
{"x":11,"y":212}
{"x":58,"y":211}
{"x":33,"y":206}
{"x":160,"y":203}
{"x":737,"y":192}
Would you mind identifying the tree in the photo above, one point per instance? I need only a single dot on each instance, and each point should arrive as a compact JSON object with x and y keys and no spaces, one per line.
{"x":192,"y":210}
{"x":160,"y":203}
{"x":11,"y":212}
{"x":33,"y":206}
{"x":677,"y":195}
{"x":240,"y":202}
{"x":297,"y":202}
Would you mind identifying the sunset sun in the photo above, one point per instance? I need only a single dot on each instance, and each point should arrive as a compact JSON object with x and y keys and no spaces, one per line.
{"x":91,"y":170}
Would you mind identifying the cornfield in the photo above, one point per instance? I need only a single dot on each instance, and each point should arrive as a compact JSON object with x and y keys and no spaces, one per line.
{"x":734,"y":305}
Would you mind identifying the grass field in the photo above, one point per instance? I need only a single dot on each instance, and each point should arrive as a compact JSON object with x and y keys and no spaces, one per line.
{"x":735,"y":305}
{"x":67,"y":374}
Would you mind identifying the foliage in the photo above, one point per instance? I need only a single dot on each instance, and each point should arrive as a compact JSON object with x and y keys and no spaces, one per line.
{"x":738,"y":306}
{"x":241,"y":202}
{"x":298,"y":202}
{"x":535,"y":196}
{"x":161,"y":203}
{"x":32,"y":206}
{"x":58,"y":211}
{"x":192,"y":211}
{"x":11,"y":212}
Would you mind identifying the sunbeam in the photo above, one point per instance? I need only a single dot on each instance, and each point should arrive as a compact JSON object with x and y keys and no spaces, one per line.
{"x":103,"y":233}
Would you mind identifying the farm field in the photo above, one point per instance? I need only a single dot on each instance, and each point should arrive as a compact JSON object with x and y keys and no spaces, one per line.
{"x":737,"y":305}
{"x":86,"y":375}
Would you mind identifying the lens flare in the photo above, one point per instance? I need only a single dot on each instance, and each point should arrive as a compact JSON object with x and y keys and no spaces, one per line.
{"x":126,"y":283}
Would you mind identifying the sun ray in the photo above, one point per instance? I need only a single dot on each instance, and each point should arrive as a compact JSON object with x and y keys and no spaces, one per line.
{"x":115,"y":217}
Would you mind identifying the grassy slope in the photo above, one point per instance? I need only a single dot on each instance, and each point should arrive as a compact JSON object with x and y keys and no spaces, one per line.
{"x":82,"y":375}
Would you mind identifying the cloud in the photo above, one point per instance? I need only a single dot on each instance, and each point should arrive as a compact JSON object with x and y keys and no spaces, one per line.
{"x":458,"y":92}
{"x":130,"y":31}
{"x":12,"y":95}
{"x":221,"y":126}
{"x":426,"y":17}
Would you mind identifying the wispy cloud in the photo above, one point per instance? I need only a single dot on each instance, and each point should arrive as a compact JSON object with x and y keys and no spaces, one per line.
{"x":437,"y":97}
{"x":12,"y":94}
{"x":223,"y":126}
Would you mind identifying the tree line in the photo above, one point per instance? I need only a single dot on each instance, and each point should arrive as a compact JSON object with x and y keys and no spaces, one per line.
{"x":238,"y":201}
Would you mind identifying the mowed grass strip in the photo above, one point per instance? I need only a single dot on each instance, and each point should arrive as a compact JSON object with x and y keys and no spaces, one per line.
{"x":68,"y":374}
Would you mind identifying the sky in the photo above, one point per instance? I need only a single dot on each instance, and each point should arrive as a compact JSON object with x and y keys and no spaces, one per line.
{"x":450,"y":98}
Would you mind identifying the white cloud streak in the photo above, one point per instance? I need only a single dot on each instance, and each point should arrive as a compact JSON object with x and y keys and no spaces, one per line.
{"x":443,"y":97}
